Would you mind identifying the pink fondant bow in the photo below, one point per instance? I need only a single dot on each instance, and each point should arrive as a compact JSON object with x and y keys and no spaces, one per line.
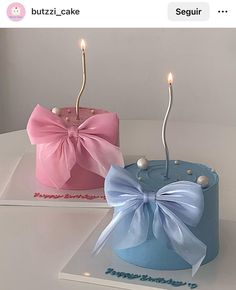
{"x":61,"y":148}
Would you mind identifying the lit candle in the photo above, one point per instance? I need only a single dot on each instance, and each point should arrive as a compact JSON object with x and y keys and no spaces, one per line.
{"x":82,"y":46}
{"x":170,"y":82}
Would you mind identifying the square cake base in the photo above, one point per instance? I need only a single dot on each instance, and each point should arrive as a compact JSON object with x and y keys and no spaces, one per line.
{"x":22,"y":188}
{"x":109,"y":270}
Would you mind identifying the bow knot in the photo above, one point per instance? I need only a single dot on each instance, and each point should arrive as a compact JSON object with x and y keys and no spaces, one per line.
{"x":95,"y":149}
{"x":73,"y":132}
{"x":176,"y":205}
{"x":149,"y":197}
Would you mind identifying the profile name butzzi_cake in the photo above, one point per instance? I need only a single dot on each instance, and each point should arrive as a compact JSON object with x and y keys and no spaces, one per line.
{"x":166,"y":211}
{"x":75,"y":146}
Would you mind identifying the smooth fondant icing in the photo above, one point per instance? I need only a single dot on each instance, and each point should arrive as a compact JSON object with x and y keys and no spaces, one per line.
{"x":156,"y":254}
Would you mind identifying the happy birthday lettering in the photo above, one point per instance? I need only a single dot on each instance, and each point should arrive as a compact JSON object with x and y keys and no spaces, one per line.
{"x":68,"y":196}
{"x":131,"y":276}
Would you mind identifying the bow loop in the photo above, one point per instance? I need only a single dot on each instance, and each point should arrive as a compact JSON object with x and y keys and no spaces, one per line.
{"x":45,"y":127}
{"x":184,"y":199}
{"x":176,"y":205}
{"x":92,"y":148}
{"x":121,"y":189}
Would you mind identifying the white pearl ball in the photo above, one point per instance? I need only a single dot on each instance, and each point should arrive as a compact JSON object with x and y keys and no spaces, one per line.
{"x":203,"y":181}
{"x":143,"y":163}
{"x":56,"y":111}
{"x":189,"y":172}
{"x":176,"y":162}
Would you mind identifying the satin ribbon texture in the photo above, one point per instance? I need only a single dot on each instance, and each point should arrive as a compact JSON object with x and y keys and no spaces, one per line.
{"x":87,"y":144}
{"x":175,"y":205}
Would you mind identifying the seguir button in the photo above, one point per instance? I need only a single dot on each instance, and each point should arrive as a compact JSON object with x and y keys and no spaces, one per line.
{"x":188,"y":11}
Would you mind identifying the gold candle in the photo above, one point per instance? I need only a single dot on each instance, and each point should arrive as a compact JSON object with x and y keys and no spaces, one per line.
{"x":82,"y":46}
{"x":170,"y":82}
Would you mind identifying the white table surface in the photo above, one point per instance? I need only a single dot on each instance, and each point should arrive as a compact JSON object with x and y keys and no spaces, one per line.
{"x":36,"y":242}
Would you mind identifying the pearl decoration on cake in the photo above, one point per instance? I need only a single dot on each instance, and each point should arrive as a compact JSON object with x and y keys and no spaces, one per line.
{"x":68,"y":111}
{"x":142,"y":163}
{"x":189,"y":172}
{"x":67,"y":119}
{"x":140,"y":178}
{"x":56,"y":111}
{"x":176,"y":162}
{"x":92,"y":111}
{"x":203,"y":181}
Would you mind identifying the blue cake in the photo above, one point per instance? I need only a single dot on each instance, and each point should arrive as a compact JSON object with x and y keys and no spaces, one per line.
{"x":155,"y":253}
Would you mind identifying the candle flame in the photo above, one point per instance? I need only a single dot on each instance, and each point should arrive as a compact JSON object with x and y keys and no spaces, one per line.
{"x":170,"y":78}
{"x":82,"y":44}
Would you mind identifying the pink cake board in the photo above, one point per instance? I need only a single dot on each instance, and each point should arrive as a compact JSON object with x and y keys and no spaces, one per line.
{"x":22,"y":188}
{"x":216,"y":275}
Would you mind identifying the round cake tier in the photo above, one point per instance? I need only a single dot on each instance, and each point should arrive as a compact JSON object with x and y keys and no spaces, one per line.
{"x":155,"y":253}
{"x":80,"y":177}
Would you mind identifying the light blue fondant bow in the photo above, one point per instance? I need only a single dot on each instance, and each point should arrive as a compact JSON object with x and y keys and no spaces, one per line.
{"x":176,"y":205}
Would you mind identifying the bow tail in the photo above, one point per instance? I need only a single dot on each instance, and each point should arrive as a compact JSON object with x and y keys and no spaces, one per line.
{"x":181,"y":239}
{"x":133,"y":213}
{"x":98,"y":154}
{"x":137,"y":230}
{"x":57,"y":160}
{"x":106,"y":234}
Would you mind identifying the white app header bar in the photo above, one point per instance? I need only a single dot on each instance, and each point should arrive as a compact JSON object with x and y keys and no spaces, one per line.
{"x":117,"y":13}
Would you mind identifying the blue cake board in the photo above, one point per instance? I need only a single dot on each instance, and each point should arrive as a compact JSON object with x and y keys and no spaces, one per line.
{"x":218,"y":274}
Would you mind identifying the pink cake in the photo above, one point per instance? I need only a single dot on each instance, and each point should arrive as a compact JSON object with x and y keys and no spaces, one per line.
{"x":74,"y":154}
